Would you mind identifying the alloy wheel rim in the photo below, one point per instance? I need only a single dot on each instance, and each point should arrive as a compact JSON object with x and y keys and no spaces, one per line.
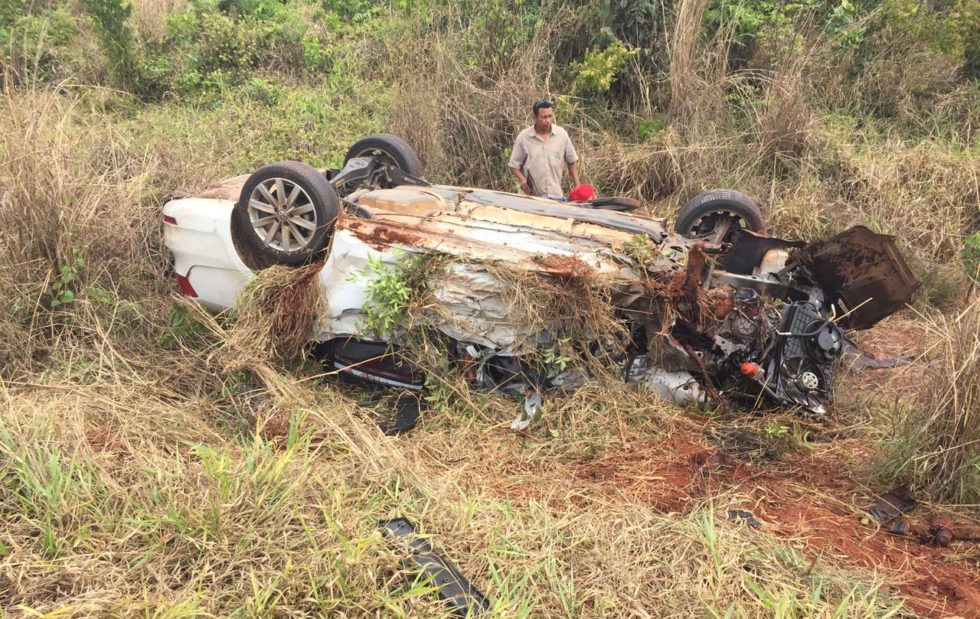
{"x":282,"y":215}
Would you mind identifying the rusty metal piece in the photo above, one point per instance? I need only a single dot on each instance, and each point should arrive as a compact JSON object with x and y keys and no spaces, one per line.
{"x":863,"y":274}
{"x":942,"y":535}
{"x":694,"y":270}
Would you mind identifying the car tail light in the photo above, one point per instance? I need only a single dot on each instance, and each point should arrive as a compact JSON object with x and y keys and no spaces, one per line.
{"x":185,"y":286}
{"x":167,"y":219}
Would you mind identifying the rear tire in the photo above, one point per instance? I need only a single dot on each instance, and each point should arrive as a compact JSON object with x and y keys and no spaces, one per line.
{"x":284,"y":215}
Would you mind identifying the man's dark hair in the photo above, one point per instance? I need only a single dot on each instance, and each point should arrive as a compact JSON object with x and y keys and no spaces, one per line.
{"x":541,"y":104}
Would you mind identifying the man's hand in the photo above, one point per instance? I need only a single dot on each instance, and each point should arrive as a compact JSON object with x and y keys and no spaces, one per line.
{"x":526,"y":188}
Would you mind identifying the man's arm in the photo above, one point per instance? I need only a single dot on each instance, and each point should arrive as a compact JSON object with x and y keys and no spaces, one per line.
{"x":518,"y":155}
{"x":573,"y":172}
{"x":521,"y":179}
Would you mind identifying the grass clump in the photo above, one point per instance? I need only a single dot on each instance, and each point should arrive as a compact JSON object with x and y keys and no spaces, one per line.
{"x":276,"y":314}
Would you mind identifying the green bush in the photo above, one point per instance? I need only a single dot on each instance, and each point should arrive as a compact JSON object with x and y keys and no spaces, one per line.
{"x":110,"y":19}
{"x":971,"y":256}
{"x":38,"y":45}
{"x":216,"y":45}
{"x":597,"y":71}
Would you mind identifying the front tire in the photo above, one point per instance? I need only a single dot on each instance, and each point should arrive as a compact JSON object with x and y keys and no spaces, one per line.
{"x":707,"y":213}
{"x":285,"y":215}
{"x":390,"y":150}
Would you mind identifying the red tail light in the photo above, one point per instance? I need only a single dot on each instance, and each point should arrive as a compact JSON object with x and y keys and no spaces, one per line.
{"x":167,"y":219}
{"x":750,"y":369}
{"x":185,"y":286}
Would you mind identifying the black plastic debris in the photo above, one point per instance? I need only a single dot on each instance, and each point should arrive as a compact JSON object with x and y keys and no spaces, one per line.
{"x":398,"y":416}
{"x":892,"y":505}
{"x":739,"y":515}
{"x":453,"y":587}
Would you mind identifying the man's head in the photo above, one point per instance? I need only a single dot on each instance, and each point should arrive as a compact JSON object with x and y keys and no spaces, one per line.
{"x":544,"y":115}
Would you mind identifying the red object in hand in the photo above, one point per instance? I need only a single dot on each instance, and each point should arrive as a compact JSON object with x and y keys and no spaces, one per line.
{"x":582,"y":193}
{"x":750,"y":369}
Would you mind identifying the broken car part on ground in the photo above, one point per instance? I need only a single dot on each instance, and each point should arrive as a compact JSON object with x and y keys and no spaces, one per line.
{"x":529,"y":294}
{"x":460,"y":596}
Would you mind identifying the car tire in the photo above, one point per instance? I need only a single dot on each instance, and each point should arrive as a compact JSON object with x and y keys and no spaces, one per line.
{"x":396,"y":150}
{"x":696,"y":218}
{"x":285,"y":215}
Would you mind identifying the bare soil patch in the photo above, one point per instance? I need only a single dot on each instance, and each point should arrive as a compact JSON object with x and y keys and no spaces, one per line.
{"x":813,"y":498}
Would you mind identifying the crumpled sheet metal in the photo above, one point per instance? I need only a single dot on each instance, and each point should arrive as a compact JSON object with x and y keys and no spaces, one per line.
{"x":471,"y":308}
{"x":486,"y":242}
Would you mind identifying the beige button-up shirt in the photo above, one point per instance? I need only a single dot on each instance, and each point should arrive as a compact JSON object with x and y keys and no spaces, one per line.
{"x":543,"y":161}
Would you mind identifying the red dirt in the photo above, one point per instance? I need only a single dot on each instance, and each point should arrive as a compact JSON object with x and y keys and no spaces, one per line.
{"x":813,"y":502}
{"x":931,"y":586}
{"x":679,"y":472}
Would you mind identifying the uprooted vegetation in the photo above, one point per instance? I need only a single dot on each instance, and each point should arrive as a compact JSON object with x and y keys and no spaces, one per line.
{"x":159,"y":462}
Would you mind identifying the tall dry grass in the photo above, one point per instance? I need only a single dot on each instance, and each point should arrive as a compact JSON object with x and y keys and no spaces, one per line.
{"x":74,"y":215}
{"x":462,"y":116}
{"x":150,"y":15}
{"x":936,"y":447}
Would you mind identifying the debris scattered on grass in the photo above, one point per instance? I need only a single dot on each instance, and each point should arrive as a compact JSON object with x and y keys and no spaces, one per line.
{"x":745,"y":517}
{"x":892,"y":505}
{"x":462,"y":597}
{"x":398,"y":413}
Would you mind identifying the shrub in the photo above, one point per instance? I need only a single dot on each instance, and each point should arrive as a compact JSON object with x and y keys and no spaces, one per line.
{"x":39,"y":46}
{"x":594,"y":75}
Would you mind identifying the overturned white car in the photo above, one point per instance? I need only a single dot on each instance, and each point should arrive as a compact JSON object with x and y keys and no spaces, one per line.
{"x":717,"y":311}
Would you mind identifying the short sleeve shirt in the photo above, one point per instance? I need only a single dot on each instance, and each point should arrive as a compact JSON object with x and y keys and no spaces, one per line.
{"x":543,"y":160}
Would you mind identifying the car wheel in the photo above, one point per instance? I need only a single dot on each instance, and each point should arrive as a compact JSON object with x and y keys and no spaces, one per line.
{"x":718,"y":215}
{"x":284,"y":215}
{"x":390,"y":150}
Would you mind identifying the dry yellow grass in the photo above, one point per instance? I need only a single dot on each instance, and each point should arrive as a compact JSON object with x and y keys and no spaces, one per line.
{"x":935,"y":447}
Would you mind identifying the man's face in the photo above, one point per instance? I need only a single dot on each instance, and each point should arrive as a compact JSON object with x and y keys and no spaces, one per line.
{"x":544,"y":120}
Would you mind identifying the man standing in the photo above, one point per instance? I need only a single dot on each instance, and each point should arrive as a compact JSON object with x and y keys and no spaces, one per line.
{"x":539,"y":152}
